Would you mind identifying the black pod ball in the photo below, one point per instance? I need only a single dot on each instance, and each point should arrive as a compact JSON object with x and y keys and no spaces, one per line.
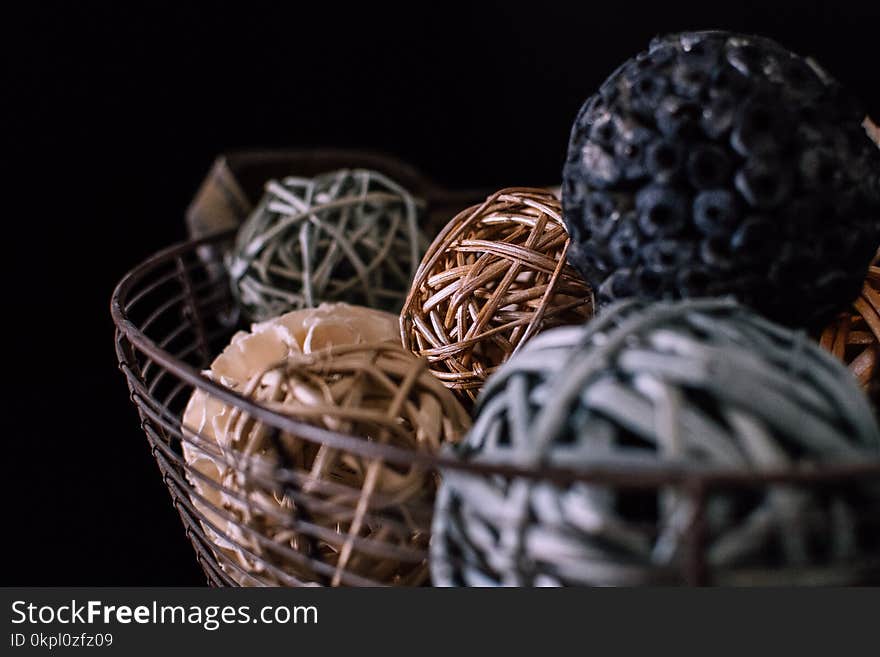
{"x":717,"y":163}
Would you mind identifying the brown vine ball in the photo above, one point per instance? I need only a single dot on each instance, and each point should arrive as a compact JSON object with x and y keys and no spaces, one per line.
{"x":494,"y":277}
{"x":854,"y":336}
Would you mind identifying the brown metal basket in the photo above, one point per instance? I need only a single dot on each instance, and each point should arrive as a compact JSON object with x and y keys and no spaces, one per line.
{"x":174,"y":313}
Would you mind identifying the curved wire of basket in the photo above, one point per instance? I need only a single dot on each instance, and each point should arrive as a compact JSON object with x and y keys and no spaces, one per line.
{"x":174,"y":312}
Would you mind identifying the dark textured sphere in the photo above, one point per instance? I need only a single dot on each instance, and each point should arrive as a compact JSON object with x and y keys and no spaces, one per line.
{"x":716,"y":163}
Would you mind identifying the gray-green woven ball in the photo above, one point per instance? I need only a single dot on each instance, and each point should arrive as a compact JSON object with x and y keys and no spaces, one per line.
{"x":348,"y":235}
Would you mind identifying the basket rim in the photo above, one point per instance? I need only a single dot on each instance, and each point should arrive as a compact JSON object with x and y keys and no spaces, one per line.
{"x":647,"y":476}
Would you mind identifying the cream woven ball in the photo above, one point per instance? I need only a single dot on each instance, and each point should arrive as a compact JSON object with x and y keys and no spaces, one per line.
{"x":349,"y":235}
{"x":283,"y":510}
{"x":692,"y":385}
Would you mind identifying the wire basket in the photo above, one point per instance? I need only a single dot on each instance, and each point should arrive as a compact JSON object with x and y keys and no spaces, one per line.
{"x":174,"y":312}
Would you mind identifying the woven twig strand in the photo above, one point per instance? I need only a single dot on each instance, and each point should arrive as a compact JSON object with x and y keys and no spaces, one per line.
{"x":688,"y":385}
{"x":492,"y":279}
{"x":349,"y":235}
{"x":333,"y":517}
{"x":854,"y":337}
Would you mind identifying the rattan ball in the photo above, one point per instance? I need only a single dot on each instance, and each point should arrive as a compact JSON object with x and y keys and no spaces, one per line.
{"x":284,"y":510}
{"x":854,"y":336}
{"x":349,"y":235}
{"x":493,"y":278}
{"x":684,"y":386}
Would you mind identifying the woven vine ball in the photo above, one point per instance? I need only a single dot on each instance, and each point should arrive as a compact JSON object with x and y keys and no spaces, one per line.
{"x":338,"y":367}
{"x":722,"y":164}
{"x":854,"y":336}
{"x":349,"y":235}
{"x":495,"y":276}
{"x":693,"y":384}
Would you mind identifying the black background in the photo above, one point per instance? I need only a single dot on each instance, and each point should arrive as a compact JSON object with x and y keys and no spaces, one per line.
{"x":117,"y":113}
